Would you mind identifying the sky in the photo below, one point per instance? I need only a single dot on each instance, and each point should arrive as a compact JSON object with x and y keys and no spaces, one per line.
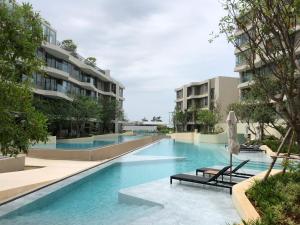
{"x":150,"y":46}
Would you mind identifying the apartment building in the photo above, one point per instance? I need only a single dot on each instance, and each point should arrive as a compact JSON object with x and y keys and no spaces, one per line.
{"x":66,"y":74}
{"x":207,"y":94}
{"x":242,"y":67}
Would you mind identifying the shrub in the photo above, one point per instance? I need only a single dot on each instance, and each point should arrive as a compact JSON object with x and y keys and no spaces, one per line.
{"x":69,"y":45}
{"x":91,"y":61}
{"x":274,"y":144}
{"x":277,"y":199}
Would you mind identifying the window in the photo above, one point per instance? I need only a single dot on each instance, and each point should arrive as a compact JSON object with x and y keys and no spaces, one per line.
{"x":212,"y":93}
{"x":179,"y":94}
{"x":113,"y":88}
{"x":65,"y":67}
{"x":189,"y":91}
{"x":49,"y":34}
{"x":246,"y":76}
{"x":242,"y":39}
{"x":40,"y":53}
{"x":106,"y":86}
{"x":50,"y":61}
{"x":179,"y":105}
{"x":121,"y":92}
{"x":242,"y":57}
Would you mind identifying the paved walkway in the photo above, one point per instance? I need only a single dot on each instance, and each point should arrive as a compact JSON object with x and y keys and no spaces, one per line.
{"x":15,"y":183}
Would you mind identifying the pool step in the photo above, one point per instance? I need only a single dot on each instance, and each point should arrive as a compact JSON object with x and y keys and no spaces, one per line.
{"x":133,"y":213}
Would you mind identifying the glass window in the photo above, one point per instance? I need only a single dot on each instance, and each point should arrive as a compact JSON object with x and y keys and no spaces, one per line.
{"x":40,"y":54}
{"x":58,"y":64}
{"x":49,"y":34}
{"x":65,"y":66}
{"x":52,"y":37}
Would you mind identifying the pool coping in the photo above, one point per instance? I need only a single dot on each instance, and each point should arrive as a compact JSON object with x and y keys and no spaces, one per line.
{"x":102,"y":153}
{"x":44,"y":185}
{"x":240,"y":200}
{"x":83,"y":149}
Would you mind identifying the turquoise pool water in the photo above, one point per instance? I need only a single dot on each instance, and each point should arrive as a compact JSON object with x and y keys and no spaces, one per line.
{"x":94,"y":199}
{"x":88,"y":145}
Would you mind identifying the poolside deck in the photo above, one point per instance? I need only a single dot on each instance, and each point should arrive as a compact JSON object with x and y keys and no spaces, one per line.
{"x":41,"y":173}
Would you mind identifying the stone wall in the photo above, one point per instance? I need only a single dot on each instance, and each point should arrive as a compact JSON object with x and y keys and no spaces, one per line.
{"x":11,"y":164}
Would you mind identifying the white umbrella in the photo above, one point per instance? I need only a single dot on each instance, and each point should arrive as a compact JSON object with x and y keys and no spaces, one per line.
{"x":233,"y":144}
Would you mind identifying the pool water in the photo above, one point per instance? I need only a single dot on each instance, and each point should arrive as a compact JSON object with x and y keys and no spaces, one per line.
{"x":89,"y":145}
{"x":94,"y":199}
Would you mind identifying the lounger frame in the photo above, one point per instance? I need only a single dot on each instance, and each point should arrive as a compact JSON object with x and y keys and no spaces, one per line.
{"x":212,"y":181}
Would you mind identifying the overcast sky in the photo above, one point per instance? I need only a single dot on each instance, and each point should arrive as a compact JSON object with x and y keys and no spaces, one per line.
{"x":151,"y":46}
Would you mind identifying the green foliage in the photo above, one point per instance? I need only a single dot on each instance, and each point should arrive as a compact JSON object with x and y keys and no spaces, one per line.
{"x":110,"y":110}
{"x":56,"y":110}
{"x":208,"y":119}
{"x":20,"y":36}
{"x":180,"y":119}
{"x":163,"y":129}
{"x":277,"y":199}
{"x":20,"y":123}
{"x":250,"y":111}
{"x":83,"y":110}
{"x":79,"y":112}
{"x":274,"y":144}
{"x":91,"y":61}
{"x":271,"y":41}
{"x":69,"y":45}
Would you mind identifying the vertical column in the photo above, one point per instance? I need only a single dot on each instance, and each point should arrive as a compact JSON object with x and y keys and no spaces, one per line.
{"x":208,"y":93}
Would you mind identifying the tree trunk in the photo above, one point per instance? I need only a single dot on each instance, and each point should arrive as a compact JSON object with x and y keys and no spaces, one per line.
{"x":289,"y":152}
{"x":77,"y":130}
{"x":262,"y":133}
{"x":71,"y":128}
{"x":297,"y":135}
{"x":277,"y":154}
{"x":59,"y":129}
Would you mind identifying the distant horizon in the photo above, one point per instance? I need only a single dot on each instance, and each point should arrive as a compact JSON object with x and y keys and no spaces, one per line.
{"x":152,"y":48}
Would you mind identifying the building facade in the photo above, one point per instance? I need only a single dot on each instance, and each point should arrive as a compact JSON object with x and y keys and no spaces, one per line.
{"x":66,"y":74}
{"x":208,"y":94}
{"x":242,"y":67}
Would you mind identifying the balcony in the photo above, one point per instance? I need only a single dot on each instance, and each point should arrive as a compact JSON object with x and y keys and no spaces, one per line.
{"x":56,"y":73}
{"x":56,"y":50}
{"x":52,"y":93}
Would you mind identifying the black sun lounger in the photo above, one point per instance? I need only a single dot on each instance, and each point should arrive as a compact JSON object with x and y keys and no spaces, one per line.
{"x":251,"y":148}
{"x":212,"y":181}
{"x":233,"y":173}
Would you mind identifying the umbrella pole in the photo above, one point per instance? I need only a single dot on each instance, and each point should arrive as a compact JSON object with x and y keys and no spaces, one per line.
{"x":230,"y":166}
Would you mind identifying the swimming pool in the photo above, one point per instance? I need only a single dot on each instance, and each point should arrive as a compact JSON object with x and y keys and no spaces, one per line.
{"x":94,"y":199}
{"x":88,"y":145}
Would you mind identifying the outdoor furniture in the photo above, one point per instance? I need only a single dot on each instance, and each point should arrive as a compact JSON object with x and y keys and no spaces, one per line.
{"x":212,"y":181}
{"x":233,"y":173}
{"x":251,"y":148}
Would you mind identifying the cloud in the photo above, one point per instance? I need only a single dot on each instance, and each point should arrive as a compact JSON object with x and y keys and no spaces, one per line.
{"x":152,"y":47}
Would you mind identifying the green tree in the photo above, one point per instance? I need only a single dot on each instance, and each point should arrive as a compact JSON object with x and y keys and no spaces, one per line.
{"x":269,"y":52}
{"x":180,"y":119}
{"x":110,"y":112}
{"x":58,"y":112}
{"x":84,"y":109}
{"x":20,"y":36}
{"x":250,"y":113}
{"x":20,"y":124}
{"x":208,"y":119}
